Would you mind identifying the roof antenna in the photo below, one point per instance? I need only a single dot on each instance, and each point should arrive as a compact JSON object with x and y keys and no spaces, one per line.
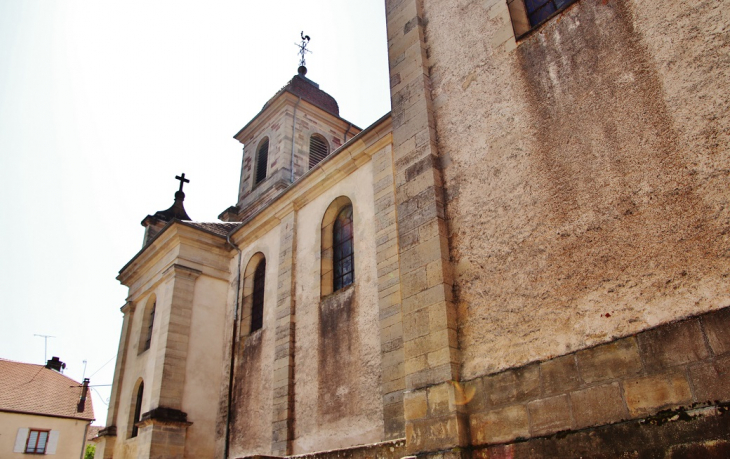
{"x":45,"y":345}
{"x":302,"y":52}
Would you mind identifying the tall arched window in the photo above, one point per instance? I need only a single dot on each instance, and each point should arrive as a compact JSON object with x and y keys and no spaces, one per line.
{"x":262,"y":159}
{"x":343,"y":257}
{"x":257,"y":309}
{"x":137,"y":410}
{"x":148,"y":323}
{"x":338,"y":251}
{"x":254,"y":285}
{"x":318,"y":149}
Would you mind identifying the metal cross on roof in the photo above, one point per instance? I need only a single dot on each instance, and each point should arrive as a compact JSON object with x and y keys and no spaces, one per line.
{"x":303,"y":49}
{"x":182,"y":179}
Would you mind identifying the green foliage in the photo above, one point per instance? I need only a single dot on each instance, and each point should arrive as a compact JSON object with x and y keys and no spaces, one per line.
{"x":90,"y":451}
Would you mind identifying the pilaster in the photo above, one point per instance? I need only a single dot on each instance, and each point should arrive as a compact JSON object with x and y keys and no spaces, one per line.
{"x":171,"y":359}
{"x":109,"y":433}
{"x":389,"y":295}
{"x":283,"y":380}
{"x":434,"y":422}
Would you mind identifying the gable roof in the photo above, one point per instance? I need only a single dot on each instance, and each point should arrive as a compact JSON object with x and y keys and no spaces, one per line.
{"x":35,"y":389}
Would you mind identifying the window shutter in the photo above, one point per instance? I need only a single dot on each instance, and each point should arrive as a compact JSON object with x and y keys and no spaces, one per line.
{"x":52,"y":442}
{"x":20,"y":440}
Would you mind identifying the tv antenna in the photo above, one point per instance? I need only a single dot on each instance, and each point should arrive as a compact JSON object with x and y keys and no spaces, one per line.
{"x":45,"y":346}
{"x":303,"y":50}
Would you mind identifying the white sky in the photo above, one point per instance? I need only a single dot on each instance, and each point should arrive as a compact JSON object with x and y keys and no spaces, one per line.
{"x":102,"y":103}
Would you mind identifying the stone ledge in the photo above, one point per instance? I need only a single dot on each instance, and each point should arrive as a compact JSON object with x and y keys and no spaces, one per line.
{"x":392,"y":449}
{"x":683,"y":433}
{"x":665,"y":367}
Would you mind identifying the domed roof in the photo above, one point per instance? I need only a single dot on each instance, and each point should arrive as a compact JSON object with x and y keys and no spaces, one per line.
{"x":308,"y":90}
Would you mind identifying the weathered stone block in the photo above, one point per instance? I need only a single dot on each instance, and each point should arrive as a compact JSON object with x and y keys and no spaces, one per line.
{"x":711,"y":380}
{"x":434,"y":434}
{"x":499,"y":426}
{"x":559,"y":375}
{"x":512,"y":386}
{"x":597,"y":406}
{"x":673,"y":344}
{"x":716,"y":326}
{"x":438,"y":399}
{"x":415,"y":405}
{"x":609,"y":361}
{"x":649,"y":394}
{"x":549,"y":415}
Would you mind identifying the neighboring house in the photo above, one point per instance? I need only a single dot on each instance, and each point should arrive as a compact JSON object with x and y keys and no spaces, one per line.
{"x":41,"y":410}
{"x":528,"y":257}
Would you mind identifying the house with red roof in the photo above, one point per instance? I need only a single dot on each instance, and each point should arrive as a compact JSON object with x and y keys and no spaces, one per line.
{"x":42,"y":411}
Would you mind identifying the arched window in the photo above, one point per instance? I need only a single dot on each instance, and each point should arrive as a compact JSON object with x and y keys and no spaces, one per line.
{"x":318,"y":149}
{"x":262,"y":159}
{"x":338,"y":251}
{"x":148,"y":323}
{"x":137,"y":410}
{"x":343,"y":257}
{"x":257,"y":309}
{"x":254,"y":285}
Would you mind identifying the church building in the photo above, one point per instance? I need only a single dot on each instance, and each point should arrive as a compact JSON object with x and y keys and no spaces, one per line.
{"x":529,"y":256}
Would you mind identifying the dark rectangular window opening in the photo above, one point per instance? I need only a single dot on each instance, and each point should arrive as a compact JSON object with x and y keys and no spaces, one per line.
{"x":528,"y":14}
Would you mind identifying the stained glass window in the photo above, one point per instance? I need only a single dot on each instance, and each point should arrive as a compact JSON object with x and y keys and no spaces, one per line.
{"x":343,"y":256}
{"x":257,"y":310}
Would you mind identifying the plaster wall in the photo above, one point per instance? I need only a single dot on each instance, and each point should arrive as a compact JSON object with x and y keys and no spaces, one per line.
{"x":252,"y":405}
{"x":337,"y":370}
{"x":71,"y":437}
{"x":585,"y":171}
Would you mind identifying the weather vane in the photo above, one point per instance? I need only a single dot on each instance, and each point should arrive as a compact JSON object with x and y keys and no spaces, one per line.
{"x":303,"y":49}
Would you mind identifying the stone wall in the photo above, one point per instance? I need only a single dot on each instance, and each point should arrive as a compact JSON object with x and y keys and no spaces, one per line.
{"x":585,"y":170}
{"x":681,"y":365}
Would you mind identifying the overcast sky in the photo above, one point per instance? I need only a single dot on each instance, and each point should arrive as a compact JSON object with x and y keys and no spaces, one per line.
{"x":102,"y":103}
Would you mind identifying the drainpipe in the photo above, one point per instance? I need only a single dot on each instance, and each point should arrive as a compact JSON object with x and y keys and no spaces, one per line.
{"x":349,"y":126}
{"x":293,"y":125}
{"x":233,"y":347}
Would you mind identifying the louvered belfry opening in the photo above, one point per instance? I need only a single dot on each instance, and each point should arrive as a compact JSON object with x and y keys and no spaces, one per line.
{"x":262,"y":158}
{"x":318,"y":149}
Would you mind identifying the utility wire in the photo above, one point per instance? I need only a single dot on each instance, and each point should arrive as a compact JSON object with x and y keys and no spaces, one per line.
{"x":107,"y":363}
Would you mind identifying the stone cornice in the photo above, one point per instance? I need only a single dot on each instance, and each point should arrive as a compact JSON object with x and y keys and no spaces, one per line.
{"x":182,"y":271}
{"x":168,"y":245}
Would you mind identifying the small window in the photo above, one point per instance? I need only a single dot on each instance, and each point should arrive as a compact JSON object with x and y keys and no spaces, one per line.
{"x":262,"y":159}
{"x":37,"y":441}
{"x":137,"y":410}
{"x":318,"y":149}
{"x":257,"y":310}
{"x":343,"y":253}
{"x":528,"y":14}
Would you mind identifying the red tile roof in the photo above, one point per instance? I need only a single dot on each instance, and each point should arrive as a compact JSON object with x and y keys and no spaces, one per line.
{"x":35,"y":389}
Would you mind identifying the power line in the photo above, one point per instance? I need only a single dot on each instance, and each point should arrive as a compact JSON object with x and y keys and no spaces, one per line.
{"x":107,"y":363}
